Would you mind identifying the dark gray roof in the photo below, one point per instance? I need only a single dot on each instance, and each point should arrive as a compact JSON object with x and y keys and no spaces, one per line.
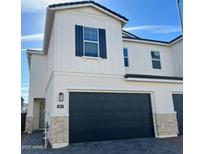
{"x":141,"y":39}
{"x":176,"y":39}
{"x":134,"y":36}
{"x":152,"y":77}
{"x":157,"y":41}
{"x":87,"y":2}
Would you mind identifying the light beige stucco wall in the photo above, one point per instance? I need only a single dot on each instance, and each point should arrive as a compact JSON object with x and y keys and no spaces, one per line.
{"x":162,"y":92}
{"x":51,"y":62}
{"x":177,"y":57}
{"x":140,"y":61}
{"x":64,"y":42}
{"x":49,"y":103}
{"x":38,"y":79}
{"x":68,"y":71}
{"x":36,"y":115}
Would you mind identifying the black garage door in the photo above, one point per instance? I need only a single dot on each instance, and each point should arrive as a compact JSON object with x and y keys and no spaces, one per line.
{"x":109,"y":116}
{"x":178,"y":107}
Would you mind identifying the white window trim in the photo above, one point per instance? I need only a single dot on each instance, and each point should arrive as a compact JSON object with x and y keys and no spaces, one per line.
{"x":155,"y":59}
{"x":126,"y":57}
{"x":89,"y":41}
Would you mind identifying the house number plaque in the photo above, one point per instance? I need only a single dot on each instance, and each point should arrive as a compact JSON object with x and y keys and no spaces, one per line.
{"x":60,"y":106}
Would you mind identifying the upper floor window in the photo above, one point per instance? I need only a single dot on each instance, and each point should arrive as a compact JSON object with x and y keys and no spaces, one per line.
{"x":125,"y":54}
{"x":156,"y":64}
{"x":90,"y":42}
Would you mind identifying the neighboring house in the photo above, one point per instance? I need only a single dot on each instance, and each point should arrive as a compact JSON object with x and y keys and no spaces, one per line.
{"x":23,"y":106}
{"x":96,"y":81}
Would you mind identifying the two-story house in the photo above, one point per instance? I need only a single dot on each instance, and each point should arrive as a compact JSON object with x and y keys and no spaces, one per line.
{"x":94,"y":81}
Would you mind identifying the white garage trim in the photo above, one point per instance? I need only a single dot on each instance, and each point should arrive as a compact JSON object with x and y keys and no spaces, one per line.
{"x":90,"y":89}
{"x":177,"y":92}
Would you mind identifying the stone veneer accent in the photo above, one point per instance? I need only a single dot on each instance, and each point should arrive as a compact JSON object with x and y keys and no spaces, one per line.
{"x":29,"y":124}
{"x":59,"y":130}
{"x":166,"y":124}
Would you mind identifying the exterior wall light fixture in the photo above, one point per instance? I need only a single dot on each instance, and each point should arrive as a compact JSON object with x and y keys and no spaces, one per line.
{"x":61,"y":97}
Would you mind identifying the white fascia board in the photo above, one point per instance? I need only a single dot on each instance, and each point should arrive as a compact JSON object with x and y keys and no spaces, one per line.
{"x":84,"y":5}
{"x":154,"y":80}
{"x":176,"y":41}
{"x":30,"y":52}
{"x":146,"y":42}
{"x":48,"y":29}
{"x":127,"y":34}
{"x":29,"y":60}
{"x":35,"y":52}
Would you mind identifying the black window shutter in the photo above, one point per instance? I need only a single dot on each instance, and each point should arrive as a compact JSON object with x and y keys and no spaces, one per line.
{"x":102,"y":43}
{"x":78,"y":40}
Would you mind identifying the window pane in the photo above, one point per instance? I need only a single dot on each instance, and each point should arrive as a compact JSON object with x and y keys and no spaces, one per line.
{"x":125,"y":52}
{"x":156,"y":64}
{"x":155,"y":55}
{"x":90,"y":34}
{"x":126,"y":63}
{"x":91,"y":49}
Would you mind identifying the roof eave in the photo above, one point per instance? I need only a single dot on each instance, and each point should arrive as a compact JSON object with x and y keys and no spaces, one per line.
{"x":48,"y":29}
{"x":89,"y":4}
{"x":140,"y":40}
{"x":28,"y":60}
{"x":179,"y":38}
{"x":130,"y":34}
{"x":145,"y":41}
{"x":30,"y":52}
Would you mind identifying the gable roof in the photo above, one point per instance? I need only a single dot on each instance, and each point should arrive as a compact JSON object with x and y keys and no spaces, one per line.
{"x":92,"y":3}
{"x":131,"y":38}
{"x":50,"y":13}
{"x":127,"y":36}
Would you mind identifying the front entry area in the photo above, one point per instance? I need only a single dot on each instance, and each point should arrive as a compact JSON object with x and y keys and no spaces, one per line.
{"x":39,"y":113}
{"x":109,"y":116}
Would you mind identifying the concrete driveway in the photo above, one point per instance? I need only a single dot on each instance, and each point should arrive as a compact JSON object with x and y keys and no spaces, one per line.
{"x":32,"y":144}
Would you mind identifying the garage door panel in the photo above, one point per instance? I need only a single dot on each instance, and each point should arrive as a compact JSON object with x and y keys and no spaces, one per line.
{"x":107,"y":134}
{"x":108,"y":116}
{"x":110,"y":106}
{"x":110,"y":124}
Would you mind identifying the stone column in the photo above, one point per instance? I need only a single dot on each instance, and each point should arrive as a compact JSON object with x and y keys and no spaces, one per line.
{"x":166,"y":124}
{"x":59,"y":131}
